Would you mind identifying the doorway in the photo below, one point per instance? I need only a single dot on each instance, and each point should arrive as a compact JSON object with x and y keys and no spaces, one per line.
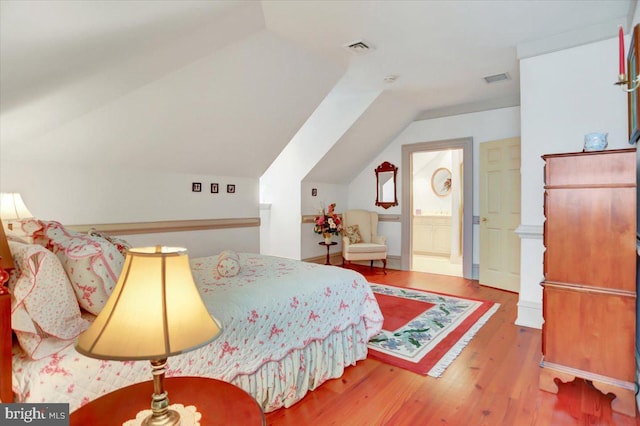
{"x":437,"y":211}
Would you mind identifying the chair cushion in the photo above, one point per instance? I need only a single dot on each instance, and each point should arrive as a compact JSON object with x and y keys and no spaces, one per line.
{"x":353,"y":233}
{"x":367,"y":248}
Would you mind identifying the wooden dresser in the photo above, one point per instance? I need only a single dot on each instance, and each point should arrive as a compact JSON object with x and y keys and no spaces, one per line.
{"x":589,"y":288}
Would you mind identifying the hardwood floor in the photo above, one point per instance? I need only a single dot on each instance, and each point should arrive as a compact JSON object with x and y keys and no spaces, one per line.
{"x":494,"y":381}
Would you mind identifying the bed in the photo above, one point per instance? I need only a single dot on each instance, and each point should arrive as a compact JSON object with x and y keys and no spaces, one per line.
{"x":288,"y":325}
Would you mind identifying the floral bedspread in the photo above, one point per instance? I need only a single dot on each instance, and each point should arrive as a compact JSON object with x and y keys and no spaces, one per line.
{"x":272,"y":308}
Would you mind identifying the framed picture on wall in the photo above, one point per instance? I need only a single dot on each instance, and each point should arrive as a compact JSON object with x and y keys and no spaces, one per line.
{"x":633,"y":99}
{"x":441,"y":182}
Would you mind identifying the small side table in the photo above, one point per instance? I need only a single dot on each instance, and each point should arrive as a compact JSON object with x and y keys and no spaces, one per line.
{"x":332,"y":243}
{"x":220,"y":403}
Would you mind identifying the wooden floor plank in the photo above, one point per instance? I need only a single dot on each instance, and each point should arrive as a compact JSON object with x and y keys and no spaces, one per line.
{"x":493,"y":382}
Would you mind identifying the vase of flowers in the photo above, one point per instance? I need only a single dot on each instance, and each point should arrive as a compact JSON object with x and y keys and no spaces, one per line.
{"x":328,"y":223}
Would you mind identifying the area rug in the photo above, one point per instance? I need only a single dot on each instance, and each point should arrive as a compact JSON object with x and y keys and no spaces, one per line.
{"x":424,"y":332}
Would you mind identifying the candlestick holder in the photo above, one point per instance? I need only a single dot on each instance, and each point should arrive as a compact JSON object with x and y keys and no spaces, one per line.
{"x":622,"y":80}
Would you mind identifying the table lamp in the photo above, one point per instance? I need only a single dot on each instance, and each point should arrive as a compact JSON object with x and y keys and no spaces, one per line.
{"x":154,"y":312}
{"x":12,"y":208}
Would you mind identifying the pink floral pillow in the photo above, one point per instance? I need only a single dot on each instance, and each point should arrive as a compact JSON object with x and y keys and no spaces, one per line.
{"x":119,"y":243}
{"x":44,"y":311}
{"x":92,"y":263}
{"x":228,"y":263}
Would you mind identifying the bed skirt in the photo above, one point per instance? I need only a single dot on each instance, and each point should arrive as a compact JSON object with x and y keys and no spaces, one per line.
{"x":285,"y":382}
{"x":274,"y":385}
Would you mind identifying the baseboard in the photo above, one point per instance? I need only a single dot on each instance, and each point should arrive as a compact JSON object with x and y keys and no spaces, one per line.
{"x":475,"y":271}
{"x":393,"y":262}
{"x":318,"y":259}
{"x":529,"y":314}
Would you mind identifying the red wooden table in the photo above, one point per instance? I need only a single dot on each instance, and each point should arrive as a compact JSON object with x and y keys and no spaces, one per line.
{"x":220,"y":403}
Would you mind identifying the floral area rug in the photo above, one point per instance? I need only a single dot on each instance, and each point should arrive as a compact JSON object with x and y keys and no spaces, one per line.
{"x":424,"y":332}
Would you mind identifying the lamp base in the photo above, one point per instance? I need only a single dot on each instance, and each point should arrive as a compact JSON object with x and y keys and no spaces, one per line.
{"x":189,"y":416}
{"x":161,"y":414}
{"x":170,"y":418}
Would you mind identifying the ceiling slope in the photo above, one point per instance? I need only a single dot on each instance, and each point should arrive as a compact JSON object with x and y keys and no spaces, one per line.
{"x":439,"y":53}
{"x":220,"y":87}
{"x":60,"y":60}
{"x":370,"y":133}
{"x":229,"y":113}
{"x":441,"y":50}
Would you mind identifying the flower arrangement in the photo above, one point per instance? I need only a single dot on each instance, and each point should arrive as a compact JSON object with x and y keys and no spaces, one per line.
{"x":328,"y":223}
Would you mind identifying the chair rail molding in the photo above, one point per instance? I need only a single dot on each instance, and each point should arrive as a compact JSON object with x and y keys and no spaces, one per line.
{"x":168,"y":226}
{"x":389,"y":218}
{"x":531,"y":232}
{"x":311,"y":218}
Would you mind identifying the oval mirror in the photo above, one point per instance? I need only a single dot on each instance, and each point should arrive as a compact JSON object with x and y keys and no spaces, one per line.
{"x":386,"y":195}
{"x":441,"y":181}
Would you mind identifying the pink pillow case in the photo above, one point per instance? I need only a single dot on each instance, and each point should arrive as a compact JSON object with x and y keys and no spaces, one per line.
{"x":92,"y":263}
{"x":44,"y":311}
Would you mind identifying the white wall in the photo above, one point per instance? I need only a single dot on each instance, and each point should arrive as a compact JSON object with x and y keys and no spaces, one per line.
{"x":87,"y":195}
{"x":327,"y":194}
{"x":564,"y":95}
{"x":481,"y":126}
{"x":281,"y":184}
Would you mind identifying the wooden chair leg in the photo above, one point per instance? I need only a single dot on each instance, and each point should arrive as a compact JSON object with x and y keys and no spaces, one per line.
{"x":371,"y":265}
{"x":384,"y":266}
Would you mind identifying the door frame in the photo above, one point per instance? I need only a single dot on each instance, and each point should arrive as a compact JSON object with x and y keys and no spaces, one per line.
{"x":466,"y":144}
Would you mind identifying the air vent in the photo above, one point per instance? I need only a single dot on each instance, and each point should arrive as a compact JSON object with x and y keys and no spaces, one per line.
{"x":359,"y":47}
{"x":497,"y":77}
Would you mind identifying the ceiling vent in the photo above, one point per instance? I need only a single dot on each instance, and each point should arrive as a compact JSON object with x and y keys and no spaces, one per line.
{"x":497,"y":77}
{"x":359,"y":47}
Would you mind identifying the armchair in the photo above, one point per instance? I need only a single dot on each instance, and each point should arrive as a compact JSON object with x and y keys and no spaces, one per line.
{"x":360,"y":240}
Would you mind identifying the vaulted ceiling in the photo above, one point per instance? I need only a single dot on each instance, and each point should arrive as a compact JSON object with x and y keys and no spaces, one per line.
{"x":220,"y":87}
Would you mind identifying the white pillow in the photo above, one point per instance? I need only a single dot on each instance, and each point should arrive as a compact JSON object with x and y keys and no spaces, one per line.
{"x":44,"y":311}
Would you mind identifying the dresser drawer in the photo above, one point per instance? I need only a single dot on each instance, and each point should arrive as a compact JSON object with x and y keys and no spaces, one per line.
{"x":589,"y":236}
{"x":593,"y":331}
{"x":596,"y":168}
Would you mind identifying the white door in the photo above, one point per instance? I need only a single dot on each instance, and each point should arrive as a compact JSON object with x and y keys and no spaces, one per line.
{"x":500,"y":214}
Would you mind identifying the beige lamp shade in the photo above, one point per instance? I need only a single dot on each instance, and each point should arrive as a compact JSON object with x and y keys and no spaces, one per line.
{"x":12,"y":207}
{"x":155,"y":310}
